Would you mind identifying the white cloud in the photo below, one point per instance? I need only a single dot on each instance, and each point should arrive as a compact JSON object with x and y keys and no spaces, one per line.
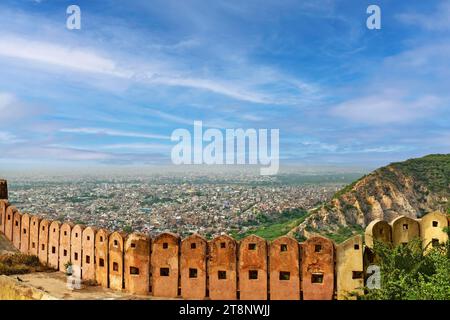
{"x":163,"y":70}
{"x":437,"y":21}
{"x":5,"y":100}
{"x":386,"y":108}
{"x":8,"y":138}
{"x":62,"y":56}
{"x":112,"y":132}
{"x":12,"y":108}
{"x":154,"y":147}
{"x":48,"y":152}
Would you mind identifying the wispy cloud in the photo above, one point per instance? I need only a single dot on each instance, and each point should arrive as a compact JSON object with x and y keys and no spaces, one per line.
{"x":386,"y":108}
{"x":58,"y":55}
{"x":9,"y":138}
{"x":112,"y":132}
{"x":436,"y":21}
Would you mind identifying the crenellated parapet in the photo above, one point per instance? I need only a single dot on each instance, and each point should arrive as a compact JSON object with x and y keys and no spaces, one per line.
{"x":401,"y":230}
{"x":218,"y":269}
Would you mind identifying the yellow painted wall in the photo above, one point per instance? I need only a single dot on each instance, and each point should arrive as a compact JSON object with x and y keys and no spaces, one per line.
{"x":349,"y":267}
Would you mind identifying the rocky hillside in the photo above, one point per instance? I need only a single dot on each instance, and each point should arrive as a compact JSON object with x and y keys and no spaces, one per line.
{"x":410,"y":188}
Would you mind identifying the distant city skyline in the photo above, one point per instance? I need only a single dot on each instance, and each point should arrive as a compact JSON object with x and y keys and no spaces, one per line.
{"x":111,"y":94}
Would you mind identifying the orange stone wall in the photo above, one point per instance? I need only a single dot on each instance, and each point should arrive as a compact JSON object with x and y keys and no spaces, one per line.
{"x":88,"y":253}
{"x":43,"y":241}
{"x":193,"y":267}
{"x":101,"y":258}
{"x":35,"y":221}
{"x":317,"y":269}
{"x":17,"y":222}
{"x":3,"y":205}
{"x":284,"y":262}
{"x":76,"y":249}
{"x":65,"y":234}
{"x":9,"y":218}
{"x":137,"y":264}
{"x":222,"y":268}
{"x":53,"y":244}
{"x":25,"y":234}
{"x":164,"y":262}
{"x":116,"y":243}
{"x":253,"y":268}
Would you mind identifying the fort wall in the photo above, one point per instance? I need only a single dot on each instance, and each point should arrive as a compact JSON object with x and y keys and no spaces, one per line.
{"x":349,"y":267}
{"x":34,"y":235}
{"x":317,"y":268}
{"x":137,"y":264}
{"x":17,"y":223}
{"x":116,"y":242}
{"x":252,"y":268}
{"x":76,"y":248}
{"x":193,"y":267}
{"x":284,"y":258}
{"x":102,"y":258}
{"x":88,"y":253}
{"x":43,"y":241}
{"x":165,"y":265}
{"x":65,"y":246}
{"x":25,"y":234}
{"x":53,"y":244}
{"x":222,"y":268}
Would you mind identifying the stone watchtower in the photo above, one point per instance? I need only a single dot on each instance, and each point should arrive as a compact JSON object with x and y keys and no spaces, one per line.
{"x":3,"y":189}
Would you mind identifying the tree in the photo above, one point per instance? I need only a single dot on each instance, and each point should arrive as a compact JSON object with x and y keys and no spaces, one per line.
{"x":410,"y":272}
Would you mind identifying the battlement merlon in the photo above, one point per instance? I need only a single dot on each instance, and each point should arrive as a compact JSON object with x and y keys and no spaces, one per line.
{"x":3,"y":189}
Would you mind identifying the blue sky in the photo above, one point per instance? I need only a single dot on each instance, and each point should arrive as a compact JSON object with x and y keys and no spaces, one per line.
{"x":113,"y":92}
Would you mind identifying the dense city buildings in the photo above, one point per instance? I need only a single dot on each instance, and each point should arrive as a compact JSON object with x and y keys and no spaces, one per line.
{"x":206,"y":204}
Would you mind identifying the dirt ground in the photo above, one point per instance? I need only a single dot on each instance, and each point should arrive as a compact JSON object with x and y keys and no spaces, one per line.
{"x":55,"y":285}
{"x":6,"y":246}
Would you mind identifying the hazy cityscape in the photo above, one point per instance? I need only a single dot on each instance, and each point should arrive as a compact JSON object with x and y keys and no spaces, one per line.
{"x":209,"y":204}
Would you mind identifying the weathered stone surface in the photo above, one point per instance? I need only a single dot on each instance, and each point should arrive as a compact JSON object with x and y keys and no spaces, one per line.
{"x":102,"y":257}
{"x":53,"y":244}
{"x":11,"y":289}
{"x":378,"y":230}
{"x":3,"y":189}
{"x":164,"y":261}
{"x":43,"y":241}
{"x":9,"y":217}
{"x":88,"y":253}
{"x":65,"y":234}
{"x":431,"y":229}
{"x":222,"y":268}
{"x":25,"y":234}
{"x":253,"y":268}
{"x":3,"y":206}
{"x":317,"y":268}
{"x":349,"y":267}
{"x":137,"y":264}
{"x":116,"y":242}
{"x":193,"y":267}
{"x":17,"y":222}
{"x":404,"y":229}
{"x":35,"y":221}
{"x":284,"y":255}
{"x":76,"y":249}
